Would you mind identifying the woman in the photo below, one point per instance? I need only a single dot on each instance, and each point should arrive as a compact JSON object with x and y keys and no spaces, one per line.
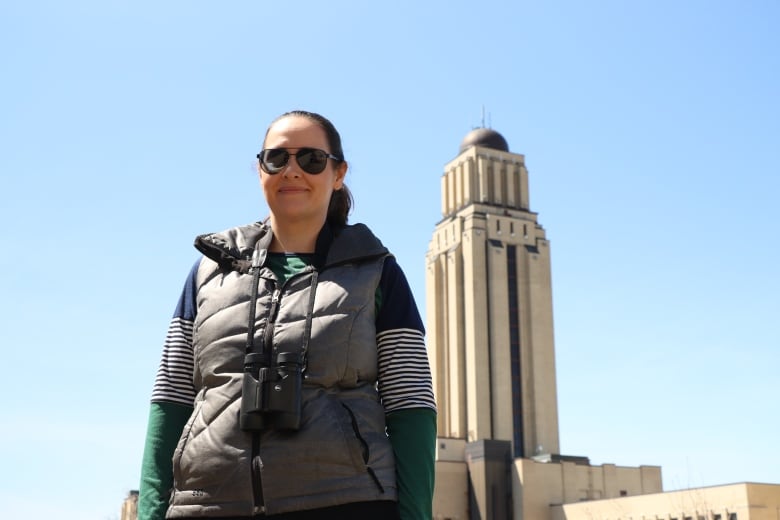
{"x":294,"y":381}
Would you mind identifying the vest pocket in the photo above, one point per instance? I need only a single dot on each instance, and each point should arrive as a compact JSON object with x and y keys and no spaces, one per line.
{"x":183,"y":440}
{"x":364,"y":448}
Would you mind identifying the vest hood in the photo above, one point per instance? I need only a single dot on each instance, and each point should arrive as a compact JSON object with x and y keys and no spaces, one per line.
{"x":233,"y":249}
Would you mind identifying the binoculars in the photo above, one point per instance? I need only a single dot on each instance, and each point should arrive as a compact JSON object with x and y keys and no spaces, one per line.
{"x":271,"y":396}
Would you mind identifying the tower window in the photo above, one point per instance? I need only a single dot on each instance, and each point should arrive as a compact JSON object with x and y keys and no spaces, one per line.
{"x":514,"y":350}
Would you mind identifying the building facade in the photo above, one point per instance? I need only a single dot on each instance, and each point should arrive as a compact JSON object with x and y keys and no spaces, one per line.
{"x":130,"y":506}
{"x":489,"y":304}
{"x":490,"y":339}
{"x":743,"y":501}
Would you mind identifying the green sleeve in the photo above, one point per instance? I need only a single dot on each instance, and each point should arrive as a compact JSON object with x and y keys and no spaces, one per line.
{"x":166,"y":422}
{"x":413,"y":436}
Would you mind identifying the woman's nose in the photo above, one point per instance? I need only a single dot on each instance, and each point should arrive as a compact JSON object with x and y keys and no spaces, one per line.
{"x":291,"y":169}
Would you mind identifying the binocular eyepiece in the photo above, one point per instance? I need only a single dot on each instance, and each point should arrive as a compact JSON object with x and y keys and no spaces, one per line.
{"x":271,"y":396}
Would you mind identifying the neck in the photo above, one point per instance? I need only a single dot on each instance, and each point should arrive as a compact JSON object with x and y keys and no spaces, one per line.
{"x":292,"y":237}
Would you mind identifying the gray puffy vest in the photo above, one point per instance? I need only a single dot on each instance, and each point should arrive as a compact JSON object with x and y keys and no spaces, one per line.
{"x":340,"y":453}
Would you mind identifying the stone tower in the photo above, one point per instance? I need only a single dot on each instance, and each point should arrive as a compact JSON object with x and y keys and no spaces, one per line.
{"x":489,"y":304}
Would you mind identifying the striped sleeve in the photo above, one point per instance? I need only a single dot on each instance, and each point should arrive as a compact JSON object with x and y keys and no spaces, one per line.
{"x":404,"y":372}
{"x":173,"y":383}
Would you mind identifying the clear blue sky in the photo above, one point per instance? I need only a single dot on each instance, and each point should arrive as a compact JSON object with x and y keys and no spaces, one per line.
{"x":651,"y":131}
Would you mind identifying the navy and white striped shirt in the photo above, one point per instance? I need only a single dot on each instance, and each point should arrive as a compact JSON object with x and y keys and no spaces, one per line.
{"x":404,"y":377}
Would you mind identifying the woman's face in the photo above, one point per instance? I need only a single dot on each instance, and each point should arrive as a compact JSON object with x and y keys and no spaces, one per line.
{"x":294,"y":196}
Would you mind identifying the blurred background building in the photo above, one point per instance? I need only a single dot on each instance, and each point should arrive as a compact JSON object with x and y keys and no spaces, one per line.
{"x":130,"y":506}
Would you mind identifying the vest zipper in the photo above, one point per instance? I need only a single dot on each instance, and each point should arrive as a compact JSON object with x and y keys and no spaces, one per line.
{"x":268,"y":334}
{"x":257,"y":466}
{"x":257,"y":463}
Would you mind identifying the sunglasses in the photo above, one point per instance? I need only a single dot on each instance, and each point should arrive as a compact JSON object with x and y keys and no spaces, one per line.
{"x":311,"y":160}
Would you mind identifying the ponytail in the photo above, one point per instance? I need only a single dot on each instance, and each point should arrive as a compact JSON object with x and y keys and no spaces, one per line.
{"x":340,"y":205}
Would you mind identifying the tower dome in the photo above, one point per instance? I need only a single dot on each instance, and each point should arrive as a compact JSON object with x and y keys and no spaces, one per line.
{"x":485,"y":137}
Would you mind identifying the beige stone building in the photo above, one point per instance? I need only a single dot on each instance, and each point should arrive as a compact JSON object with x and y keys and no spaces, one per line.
{"x":745,"y":501}
{"x":130,"y":506}
{"x":491,"y":348}
{"x":489,"y":304}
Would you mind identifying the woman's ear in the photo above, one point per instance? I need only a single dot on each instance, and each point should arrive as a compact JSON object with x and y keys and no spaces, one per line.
{"x":341,"y":172}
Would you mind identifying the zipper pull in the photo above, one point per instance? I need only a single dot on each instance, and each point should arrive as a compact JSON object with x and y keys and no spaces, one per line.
{"x":274,"y":310}
{"x":258,"y":257}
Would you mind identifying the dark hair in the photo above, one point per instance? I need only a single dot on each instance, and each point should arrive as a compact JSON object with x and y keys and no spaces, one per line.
{"x":340,"y":200}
